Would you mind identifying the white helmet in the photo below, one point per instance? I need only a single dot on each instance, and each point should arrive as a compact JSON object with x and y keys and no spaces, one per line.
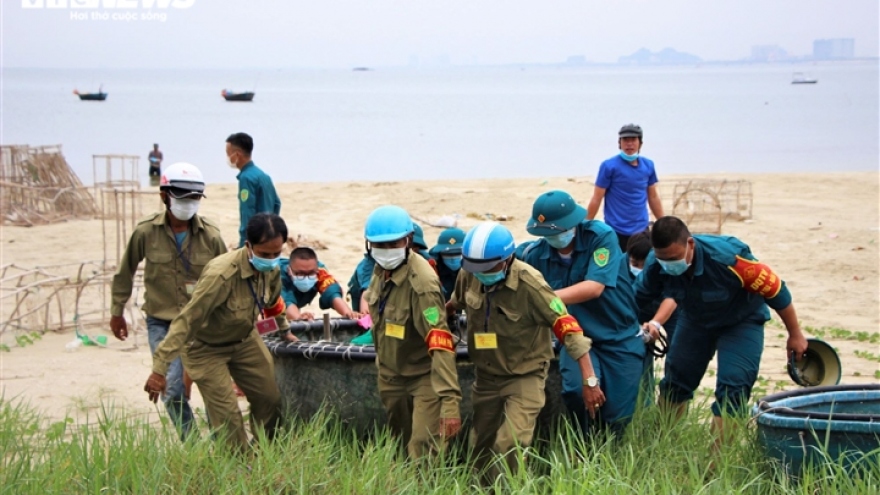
{"x":182,"y":180}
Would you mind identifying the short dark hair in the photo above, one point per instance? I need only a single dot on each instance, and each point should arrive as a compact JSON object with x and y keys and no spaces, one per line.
{"x":639,"y":245}
{"x":669,"y":230}
{"x":264,"y":227}
{"x":242,"y":141}
{"x":304,"y":253}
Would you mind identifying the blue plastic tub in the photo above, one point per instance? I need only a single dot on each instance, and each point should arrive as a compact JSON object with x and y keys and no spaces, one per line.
{"x":838,"y":423}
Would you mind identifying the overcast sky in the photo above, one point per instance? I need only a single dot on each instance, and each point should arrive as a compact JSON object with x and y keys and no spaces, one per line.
{"x":346,"y":33}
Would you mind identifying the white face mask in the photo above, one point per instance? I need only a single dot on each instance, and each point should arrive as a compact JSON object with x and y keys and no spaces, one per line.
{"x":184,"y":209}
{"x":230,"y":162}
{"x":388,"y":259}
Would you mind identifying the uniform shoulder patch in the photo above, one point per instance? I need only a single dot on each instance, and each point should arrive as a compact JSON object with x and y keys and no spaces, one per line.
{"x":244,"y":195}
{"x":558,"y":307}
{"x":432,"y":315}
{"x":756,"y":277}
{"x":600,"y":256}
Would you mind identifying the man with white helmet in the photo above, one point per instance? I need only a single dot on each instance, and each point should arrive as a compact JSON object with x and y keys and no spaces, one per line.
{"x":512,"y":313}
{"x":177,"y":244}
{"x":415,"y":354}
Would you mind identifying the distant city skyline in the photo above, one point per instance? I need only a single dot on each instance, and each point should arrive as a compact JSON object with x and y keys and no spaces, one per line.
{"x":381,"y":33}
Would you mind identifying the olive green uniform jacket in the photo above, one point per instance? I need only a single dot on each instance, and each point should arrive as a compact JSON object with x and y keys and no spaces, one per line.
{"x":169,"y":275}
{"x":410,"y":332}
{"x":223,"y":310}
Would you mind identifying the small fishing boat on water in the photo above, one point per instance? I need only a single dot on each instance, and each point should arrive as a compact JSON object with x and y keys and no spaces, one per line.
{"x":99,"y":96}
{"x":801,"y":78}
{"x":233,"y":96}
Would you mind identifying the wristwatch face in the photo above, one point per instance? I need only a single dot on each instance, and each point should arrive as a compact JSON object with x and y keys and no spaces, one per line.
{"x":591,"y":381}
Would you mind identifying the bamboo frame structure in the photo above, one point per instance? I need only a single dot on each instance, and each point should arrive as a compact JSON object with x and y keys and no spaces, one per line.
{"x":37,"y":186}
{"x":705,"y":204}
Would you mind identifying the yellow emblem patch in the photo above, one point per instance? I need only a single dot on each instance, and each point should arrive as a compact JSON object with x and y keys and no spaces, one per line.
{"x":541,"y":218}
{"x":452,"y":241}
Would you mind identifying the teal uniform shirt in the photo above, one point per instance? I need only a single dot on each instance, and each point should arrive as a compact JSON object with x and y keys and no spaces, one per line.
{"x":326,"y":286}
{"x":721,"y":291}
{"x":256,"y":194}
{"x":609,"y":320}
{"x":612,"y":316}
{"x":723,"y":299}
{"x":360,"y":280}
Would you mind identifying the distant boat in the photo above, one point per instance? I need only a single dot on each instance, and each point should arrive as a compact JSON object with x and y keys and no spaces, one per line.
{"x":801,"y":78}
{"x":233,"y":96}
{"x":99,"y":96}
{"x":361,"y":69}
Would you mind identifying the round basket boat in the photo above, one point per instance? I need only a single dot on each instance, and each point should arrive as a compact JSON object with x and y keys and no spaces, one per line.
{"x":342,"y":378}
{"x":809,"y":426}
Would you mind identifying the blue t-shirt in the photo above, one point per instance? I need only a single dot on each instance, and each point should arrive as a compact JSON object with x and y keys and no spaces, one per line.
{"x":626,"y":193}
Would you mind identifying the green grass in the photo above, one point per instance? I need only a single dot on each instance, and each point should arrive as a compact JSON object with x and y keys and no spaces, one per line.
{"x":108,"y":453}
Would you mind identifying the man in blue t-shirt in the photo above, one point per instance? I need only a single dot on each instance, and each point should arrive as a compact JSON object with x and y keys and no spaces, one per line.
{"x":626,"y":182}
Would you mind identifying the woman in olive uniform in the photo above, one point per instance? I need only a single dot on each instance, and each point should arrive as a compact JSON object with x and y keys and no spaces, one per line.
{"x":216,"y":333}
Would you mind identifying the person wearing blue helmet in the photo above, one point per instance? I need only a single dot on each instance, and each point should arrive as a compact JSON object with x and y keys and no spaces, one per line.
{"x":446,"y":255}
{"x":512,"y":314}
{"x":415,"y":354}
{"x":583,"y":263}
{"x":723,"y":293}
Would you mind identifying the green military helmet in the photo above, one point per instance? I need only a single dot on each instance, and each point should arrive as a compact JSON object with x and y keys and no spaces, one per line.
{"x":555,"y":212}
{"x":820,"y":365}
{"x":449,"y":242}
{"x":419,"y":237}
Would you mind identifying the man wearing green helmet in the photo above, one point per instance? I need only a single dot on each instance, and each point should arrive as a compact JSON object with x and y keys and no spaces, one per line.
{"x":446,"y":256}
{"x":415,"y":354}
{"x":511,"y":315}
{"x":583,"y":263}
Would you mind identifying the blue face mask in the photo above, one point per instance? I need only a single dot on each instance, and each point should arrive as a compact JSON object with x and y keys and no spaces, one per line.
{"x":493,"y":278}
{"x":635,"y":270}
{"x":304,"y":284}
{"x":452,"y":262}
{"x":263,"y":264}
{"x":561,"y":241}
{"x":629,"y":158}
{"x":675,"y":267}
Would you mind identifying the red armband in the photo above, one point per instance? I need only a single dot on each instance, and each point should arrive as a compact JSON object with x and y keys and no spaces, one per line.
{"x":439,"y":340}
{"x":756,"y":277}
{"x":274,"y":310}
{"x":324,"y":280}
{"x":433,"y":264}
{"x":565,"y":325}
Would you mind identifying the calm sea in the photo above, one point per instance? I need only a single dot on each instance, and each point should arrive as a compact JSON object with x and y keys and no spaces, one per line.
{"x":321,"y":125}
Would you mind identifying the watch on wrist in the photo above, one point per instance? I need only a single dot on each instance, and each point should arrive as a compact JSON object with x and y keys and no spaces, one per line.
{"x":592,"y":381}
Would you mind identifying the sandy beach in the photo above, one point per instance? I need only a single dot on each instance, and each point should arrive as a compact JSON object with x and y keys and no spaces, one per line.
{"x":820,"y":232}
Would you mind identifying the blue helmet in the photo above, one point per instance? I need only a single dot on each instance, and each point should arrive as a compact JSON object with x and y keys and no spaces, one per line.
{"x":387,"y":223}
{"x":486,"y":245}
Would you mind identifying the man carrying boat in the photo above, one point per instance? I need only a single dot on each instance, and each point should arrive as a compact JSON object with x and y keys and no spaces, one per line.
{"x":512,"y":314}
{"x":177,"y":244}
{"x":415,"y":353}
{"x":303,"y":278}
{"x":582,"y":262}
{"x":216,"y":334}
{"x":723,"y":293}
